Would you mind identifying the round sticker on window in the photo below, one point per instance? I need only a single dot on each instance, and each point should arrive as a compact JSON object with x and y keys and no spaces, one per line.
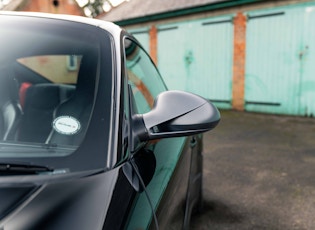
{"x":66,"y":125}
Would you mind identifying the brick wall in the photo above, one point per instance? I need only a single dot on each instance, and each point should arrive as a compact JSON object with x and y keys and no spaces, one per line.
{"x":153,"y":44}
{"x":52,"y":6}
{"x":239,"y":62}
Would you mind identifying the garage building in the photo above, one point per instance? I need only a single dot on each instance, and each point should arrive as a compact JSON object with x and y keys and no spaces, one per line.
{"x":247,"y":55}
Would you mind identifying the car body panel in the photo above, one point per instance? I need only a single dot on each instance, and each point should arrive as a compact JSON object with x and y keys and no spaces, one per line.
{"x":109,"y":179}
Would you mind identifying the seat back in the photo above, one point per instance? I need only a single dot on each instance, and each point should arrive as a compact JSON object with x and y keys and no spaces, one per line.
{"x":40,"y":102}
{"x":77,"y":108}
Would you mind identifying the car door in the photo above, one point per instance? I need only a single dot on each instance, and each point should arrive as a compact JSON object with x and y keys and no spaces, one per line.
{"x":167,"y":191}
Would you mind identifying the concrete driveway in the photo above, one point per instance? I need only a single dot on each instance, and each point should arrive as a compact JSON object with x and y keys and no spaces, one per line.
{"x":259,"y":173}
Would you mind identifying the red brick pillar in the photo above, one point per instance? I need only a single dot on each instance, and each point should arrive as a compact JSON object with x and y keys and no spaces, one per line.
{"x":238,"y":89}
{"x":153,"y":44}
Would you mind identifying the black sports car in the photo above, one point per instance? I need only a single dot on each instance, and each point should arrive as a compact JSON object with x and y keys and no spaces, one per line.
{"x":90,"y":137}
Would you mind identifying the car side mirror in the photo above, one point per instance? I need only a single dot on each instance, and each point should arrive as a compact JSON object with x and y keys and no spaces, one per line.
{"x":176,"y":113}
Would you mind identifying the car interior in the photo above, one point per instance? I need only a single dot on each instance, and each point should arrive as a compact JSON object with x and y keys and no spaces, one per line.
{"x":31,"y":101}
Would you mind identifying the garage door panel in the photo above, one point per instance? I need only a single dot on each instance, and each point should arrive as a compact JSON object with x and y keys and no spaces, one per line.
{"x":170,"y":54}
{"x":142,"y":35}
{"x":217,"y":40}
{"x":272,"y":67}
{"x":196,"y":56}
{"x":307,"y":55}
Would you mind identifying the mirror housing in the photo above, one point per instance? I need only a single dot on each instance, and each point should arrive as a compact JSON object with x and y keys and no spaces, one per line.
{"x":174,"y":114}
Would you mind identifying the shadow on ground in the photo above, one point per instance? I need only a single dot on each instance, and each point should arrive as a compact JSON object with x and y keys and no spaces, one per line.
{"x":220,"y":213}
{"x":259,"y":173}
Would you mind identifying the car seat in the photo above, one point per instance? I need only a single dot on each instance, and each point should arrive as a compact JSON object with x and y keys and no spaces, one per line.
{"x":39,"y":105}
{"x":78,"y":107}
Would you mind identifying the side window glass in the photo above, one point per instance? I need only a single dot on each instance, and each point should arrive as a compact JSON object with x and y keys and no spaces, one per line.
{"x":145,"y":80}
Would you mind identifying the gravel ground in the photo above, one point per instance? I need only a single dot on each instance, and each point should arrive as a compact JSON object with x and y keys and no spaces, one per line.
{"x":259,"y":173}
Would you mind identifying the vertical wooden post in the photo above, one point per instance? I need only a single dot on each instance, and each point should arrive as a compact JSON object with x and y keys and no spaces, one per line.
{"x":153,"y":44}
{"x":238,"y":89}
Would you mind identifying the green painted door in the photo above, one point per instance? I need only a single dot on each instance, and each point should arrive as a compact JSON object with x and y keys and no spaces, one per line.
{"x":196,"y":56}
{"x":142,"y":35}
{"x":278,"y":61}
{"x":307,"y":55}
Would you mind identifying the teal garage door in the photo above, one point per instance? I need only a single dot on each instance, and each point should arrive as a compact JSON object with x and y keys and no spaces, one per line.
{"x":307,"y":55}
{"x":196,"y":56}
{"x":279,"y":51}
{"x":142,"y":35}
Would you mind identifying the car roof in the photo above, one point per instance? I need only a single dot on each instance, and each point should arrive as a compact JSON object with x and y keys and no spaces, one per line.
{"x":108,"y":26}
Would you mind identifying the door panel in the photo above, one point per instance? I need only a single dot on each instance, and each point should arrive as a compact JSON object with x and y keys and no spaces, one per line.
{"x":167,"y":189}
{"x":279,"y":55}
{"x":272,"y":68}
{"x":142,"y":35}
{"x":171,"y":51}
{"x":196,"y":56}
{"x":212,"y":48}
{"x":307,"y":106}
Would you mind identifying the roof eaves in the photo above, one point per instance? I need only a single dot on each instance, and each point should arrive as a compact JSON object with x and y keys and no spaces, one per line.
{"x":183,"y":12}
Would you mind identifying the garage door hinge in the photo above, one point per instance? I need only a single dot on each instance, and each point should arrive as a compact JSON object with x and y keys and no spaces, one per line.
{"x":249,"y":17}
{"x":218,"y":22}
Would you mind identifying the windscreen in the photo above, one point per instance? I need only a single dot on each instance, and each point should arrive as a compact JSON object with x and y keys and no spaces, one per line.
{"x":49,"y":71}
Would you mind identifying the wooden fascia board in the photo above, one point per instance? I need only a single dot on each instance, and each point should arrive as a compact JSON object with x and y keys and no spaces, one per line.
{"x":183,"y":12}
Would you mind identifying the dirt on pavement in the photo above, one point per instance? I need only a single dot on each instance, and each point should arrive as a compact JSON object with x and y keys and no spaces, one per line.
{"x":259,"y":173}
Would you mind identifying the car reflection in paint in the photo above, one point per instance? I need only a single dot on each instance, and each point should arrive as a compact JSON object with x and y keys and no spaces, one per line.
{"x":90,"y":136}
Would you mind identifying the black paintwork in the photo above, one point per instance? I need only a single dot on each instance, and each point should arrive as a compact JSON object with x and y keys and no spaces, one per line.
{"x":102,"y":185}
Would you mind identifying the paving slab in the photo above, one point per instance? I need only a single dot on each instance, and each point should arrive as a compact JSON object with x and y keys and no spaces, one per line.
{"x":259,"y":173}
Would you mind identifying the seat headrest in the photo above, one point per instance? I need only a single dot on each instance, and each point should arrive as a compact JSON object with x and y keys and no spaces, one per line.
{"x":87,"y":76}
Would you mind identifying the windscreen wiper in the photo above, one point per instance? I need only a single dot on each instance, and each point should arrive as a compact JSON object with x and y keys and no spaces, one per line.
{"x":22,"y":169}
